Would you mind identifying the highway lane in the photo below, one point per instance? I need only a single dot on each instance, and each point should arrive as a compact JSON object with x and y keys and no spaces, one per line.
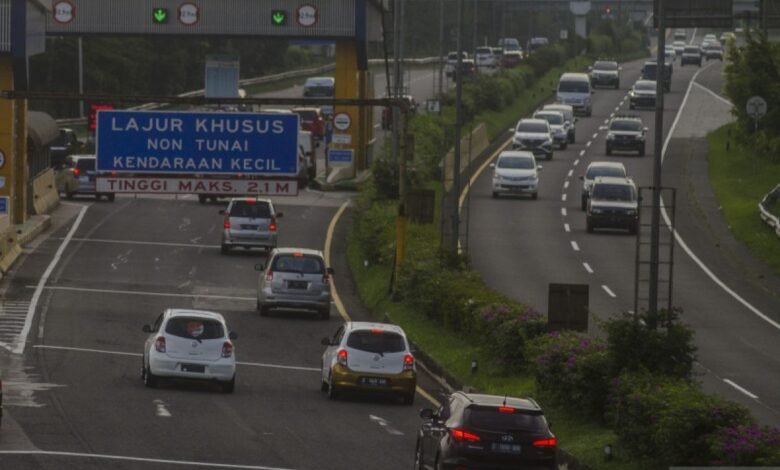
{"x":545,"y":241}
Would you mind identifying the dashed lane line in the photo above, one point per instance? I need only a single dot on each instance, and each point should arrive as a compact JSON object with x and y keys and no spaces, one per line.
{"x":147,"y":293}
{"x":741,"y":389}
{"x":587,"y":268}
{"x":563,"y":211}
{"x":566,"y":228}
{"x":575,"y":246}
{"x":608,"y":291}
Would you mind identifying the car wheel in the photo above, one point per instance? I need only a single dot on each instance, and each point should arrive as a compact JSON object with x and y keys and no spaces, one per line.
{"x":617,"y":85}
{"x":571,"y":138}
{"x":549,"y":156}
{"x":642,"y":151}
{"x":584,"y":203}
{"x":408,"y":398}
{"x":333,"y":394}
{"x":495,"y":195}
{"x":325,"y":313}
{"x":229,"y":386}
{"x":224,"y":249}
{"x":588,"y":226}
{"x":535,"y":196}
{"x":202,"y":199}
{"x":564,"y":145}
{"x":609,"y":150}
{"x":263,"y":310}
{"x":150,"y":380}
{"x":111,"y":197}
{"x":633,"y":229}
{"x":631,"y":106}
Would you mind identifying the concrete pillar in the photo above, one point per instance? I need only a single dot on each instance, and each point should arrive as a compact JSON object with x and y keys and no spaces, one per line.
{"x":7,"y":140}
{"x":580,"y":9}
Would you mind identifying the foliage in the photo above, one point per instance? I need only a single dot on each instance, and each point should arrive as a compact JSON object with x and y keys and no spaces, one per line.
{"x":506,"y":328}
{"x":660,"y":344}
{"x":571,"y":368}
{"x":370,"y":231}
{"x":746,"y":445}
{"x":669,"y":420}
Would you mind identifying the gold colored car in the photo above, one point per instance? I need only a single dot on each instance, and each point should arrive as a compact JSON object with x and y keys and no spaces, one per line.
{"x":369,"y":357}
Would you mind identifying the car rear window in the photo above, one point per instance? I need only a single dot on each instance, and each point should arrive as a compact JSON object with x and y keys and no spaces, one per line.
{"x":605,"y":66}
{"x":574,"y":86}
{"x":605,"y":171}
{"x":194,"y":328}
{"x":307,"y":115}
{"x":491,"y":419}
{"x":484,"y":50}
{"x":520,"y":163}
{"x":690,"y":49}
{"x":379,"y":341}
{"x":298,"y":263}
{"x":626,"y":126}
{"x":532,"y":127}
{"x":613,"y":192}
{"x":250,"y":209}
{"x":85,"y":164}
{"x":552,"y":118}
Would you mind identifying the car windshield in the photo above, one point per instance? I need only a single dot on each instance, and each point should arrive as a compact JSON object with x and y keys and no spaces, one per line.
{"x":613,"y":192}
{"x":625,"y":125}
{"x":194,"y":328}
{"x":516,"y":163}
{"x":574,"y":86}
{"x":532,"y":127}
{"x":376,"y":341}
{"x":250,"y":209}
{"x":320,"y":90}
{"x":645,"y":86}
{"x":484,"y":50}
{"x":552,"y":118}
{"x":602,"y":65}
{"x":491,"y":419}
{"x":596,"y":171}
{"x":690,"y":49}
{"x":298,"y":263}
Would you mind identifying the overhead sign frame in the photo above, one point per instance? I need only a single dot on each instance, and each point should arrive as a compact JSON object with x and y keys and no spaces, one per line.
{"x":696,"y":13}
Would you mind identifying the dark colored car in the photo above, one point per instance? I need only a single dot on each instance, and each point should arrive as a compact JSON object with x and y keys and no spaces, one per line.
{"x":467,"y":69}
{"x":691,"y":55}
{"x":605,"y":73}
{"x":649,"y":70}
{"x":642,"y":94}
{"x":613,"y":204}
{"x":511,"y":59}
{"x":474,"y":431}
{"x":626,"y":133}
{"x":63,"y":145}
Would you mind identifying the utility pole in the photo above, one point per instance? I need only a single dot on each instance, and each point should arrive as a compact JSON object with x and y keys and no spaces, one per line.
{"x":476,"y":22}
{"x":660,"y":75}
{"x":81,"y":78}
{"x":763,"y":11}
{"x":455,"y":190}
{"x":441,"y":47}
{"x":397,"y":74}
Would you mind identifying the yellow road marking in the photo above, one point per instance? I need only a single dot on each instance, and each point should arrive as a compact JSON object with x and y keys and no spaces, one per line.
{"x":328,"y":242}
{"x":428,"y":397}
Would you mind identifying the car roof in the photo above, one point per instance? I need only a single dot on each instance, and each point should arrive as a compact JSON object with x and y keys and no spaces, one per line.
{"x":549,"y":111}
{"x":367,"y":325}
{"x":533,"y":121}
{"x":320,"y":81}
{"x":527,"y":404}
{"x":606,"y":164}
{"x":626,"y":117}
{"x":614,"y":180}
{"x":575,"y":76}
{"x":292,"y":250}
{"x":558,"y":106}
{"x":186,"y":312}
{"x":249,"y":199}
{"x":516,"y":153}
{"x":644,"y":81}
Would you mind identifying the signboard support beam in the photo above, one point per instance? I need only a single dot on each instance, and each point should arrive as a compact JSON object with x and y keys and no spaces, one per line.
{"x":20,"y":169}
{"x":657,"y":159}
{"x":7,"y":141}
{"x":348,"y":86}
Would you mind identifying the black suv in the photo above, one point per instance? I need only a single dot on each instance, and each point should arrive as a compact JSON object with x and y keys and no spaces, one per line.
{"x":626,"y":133}
{"x":649,"y":73}
{"x":605,"y":72}
{"x":485,"y":431}
{"x":613,"y":203}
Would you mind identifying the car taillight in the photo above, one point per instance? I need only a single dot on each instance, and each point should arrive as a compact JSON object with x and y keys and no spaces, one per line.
{"x":342,"y":357}
{"x":325,"y":279}
{"x":159,"y":344}
{"x":269,"y":276}
{"x":459,"y":435}
{"x":227,"y":349}
{"x":76,"y":172}
{"x":546,"y":443}
{"x":506,"y":409}
{"x":272,"y":225}
{"x":113,"y":173}
{"x":408,"y":362}
{"x":226,"y":223}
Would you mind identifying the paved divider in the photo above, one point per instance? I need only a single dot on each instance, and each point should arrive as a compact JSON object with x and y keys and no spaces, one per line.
{"x":45,"y":195}
{"x":9,"y":248}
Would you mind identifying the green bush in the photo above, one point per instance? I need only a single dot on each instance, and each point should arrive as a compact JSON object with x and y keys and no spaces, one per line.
{"x":658,"y":344}
{"x":746,"y":445}
{"x":671,"y":421}
{"x":571,"y":368}
{"x":547,"y":58}
{"x":377,"y":244}
{"x":505,"y":328}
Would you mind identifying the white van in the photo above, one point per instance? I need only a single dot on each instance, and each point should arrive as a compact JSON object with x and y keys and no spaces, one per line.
{"x":575,"y":89}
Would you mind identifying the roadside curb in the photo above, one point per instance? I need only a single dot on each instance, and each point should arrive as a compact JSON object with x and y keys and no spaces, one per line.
{"x":36,"y":225}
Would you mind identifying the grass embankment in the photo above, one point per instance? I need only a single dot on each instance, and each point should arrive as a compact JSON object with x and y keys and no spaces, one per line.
{"x":583,"y":439}
{"x":740,"y":180}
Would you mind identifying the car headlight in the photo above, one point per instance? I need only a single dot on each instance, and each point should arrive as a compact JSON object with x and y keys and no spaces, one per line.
{"x":497,"y":178}
{"x":631,"y":212}
{"x":631,"y":93}
{"x":610,"y":136}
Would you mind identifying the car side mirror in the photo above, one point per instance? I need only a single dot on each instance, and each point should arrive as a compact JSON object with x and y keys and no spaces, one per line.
{"x":645,"y":129}
{"x":279,"y":215}
{"x":427,"y":413}
{"x":221,"y":212}
{"x":260,"y":267}
{"x":146,"y":329}
{"x":330,"y":271}
{"x":325,"y":341}
{"x":590,"y":68}
{"x":539,"y":167}
{"x":620,"y":69}
{"x":592,"y":92}
{"x":492,"y":165}
{"x":233,"y":335}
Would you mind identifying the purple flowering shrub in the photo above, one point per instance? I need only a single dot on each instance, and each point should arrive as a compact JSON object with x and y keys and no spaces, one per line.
{"x":669,"y":420}
{"x":744,"y":445}
{"x":506,"y":328}
{"x":571,"y":369}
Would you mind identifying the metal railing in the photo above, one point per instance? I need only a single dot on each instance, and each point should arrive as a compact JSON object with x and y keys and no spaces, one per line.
{"x":770,"y":219}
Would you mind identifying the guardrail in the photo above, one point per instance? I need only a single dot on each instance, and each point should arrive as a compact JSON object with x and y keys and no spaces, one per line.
{"x":260,"y":80}
{"x":772,"y":220}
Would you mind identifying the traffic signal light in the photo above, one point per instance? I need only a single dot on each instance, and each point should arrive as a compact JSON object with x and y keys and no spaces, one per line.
{"x":160,"y":15}
{"x":279,"y":17}
{"x":608,"y":10}
{"x":93,"y":109}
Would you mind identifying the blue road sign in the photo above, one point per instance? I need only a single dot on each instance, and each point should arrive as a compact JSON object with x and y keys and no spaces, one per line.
{"x":4,"y":204}
{"x":201,"y":142}
{"x":340,"y":156}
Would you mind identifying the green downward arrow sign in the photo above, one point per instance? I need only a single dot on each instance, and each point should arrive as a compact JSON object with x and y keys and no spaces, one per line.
{"x":278,"y":17}
{"x":160,"y":15}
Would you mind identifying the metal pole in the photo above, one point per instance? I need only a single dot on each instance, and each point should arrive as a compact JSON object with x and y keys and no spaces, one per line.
{"x":658,"y":144}
{"x":476,"y":21}
{"x":441,"y":47}
{"x":397,"y":74}
{"x":455,"y":192}
{"x":763,"y":7}
{"x":81,"y":78}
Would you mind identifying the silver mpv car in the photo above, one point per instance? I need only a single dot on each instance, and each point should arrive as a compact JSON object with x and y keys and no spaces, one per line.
{"x":294,"y":278}
{"x":249,"y":223}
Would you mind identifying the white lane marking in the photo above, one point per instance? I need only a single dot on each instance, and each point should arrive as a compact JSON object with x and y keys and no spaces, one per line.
{"x":741,"y":389}
{"x":587,"y":268}
{"x":566,"y":183}
{"x":137,"y":242}
{"x":162,"y":410}
{"x":563,"y":211}
{"x":595,"y":135}
{"x":571,"y":172}
{"x":563,"y":197}
{"x":582,"y":153}
{"x":566,"y":228}
{"x":123,"y":353}
{"x":150,"y":294}
{"x":22,"y":339}
{"x":603,"y":128}
{"x":608,"y":291}
{"x":724,"y":100}
{"x":184,"y":224}
{"x":606,"y":121}
{"x":127,"y":458}
{"x":383,"y":422}
{"x":677,"y":236}
{"x":575,"y":246}
{"x":613,"y":114}
{"x":588,"y":144}
{"x":576,"y":162}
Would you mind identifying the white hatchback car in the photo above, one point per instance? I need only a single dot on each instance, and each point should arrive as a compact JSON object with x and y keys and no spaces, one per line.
{"x":189,"y":344}
{"x":516,"y":172}
{"x":596,"y":169}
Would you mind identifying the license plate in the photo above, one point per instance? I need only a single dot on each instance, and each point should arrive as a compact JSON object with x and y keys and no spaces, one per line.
{"x":373,"y":381}
{"x":249,"y":227}
{"x":193,"y":368}
{"x":507,"y":448}
{"x":297,"y":284}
